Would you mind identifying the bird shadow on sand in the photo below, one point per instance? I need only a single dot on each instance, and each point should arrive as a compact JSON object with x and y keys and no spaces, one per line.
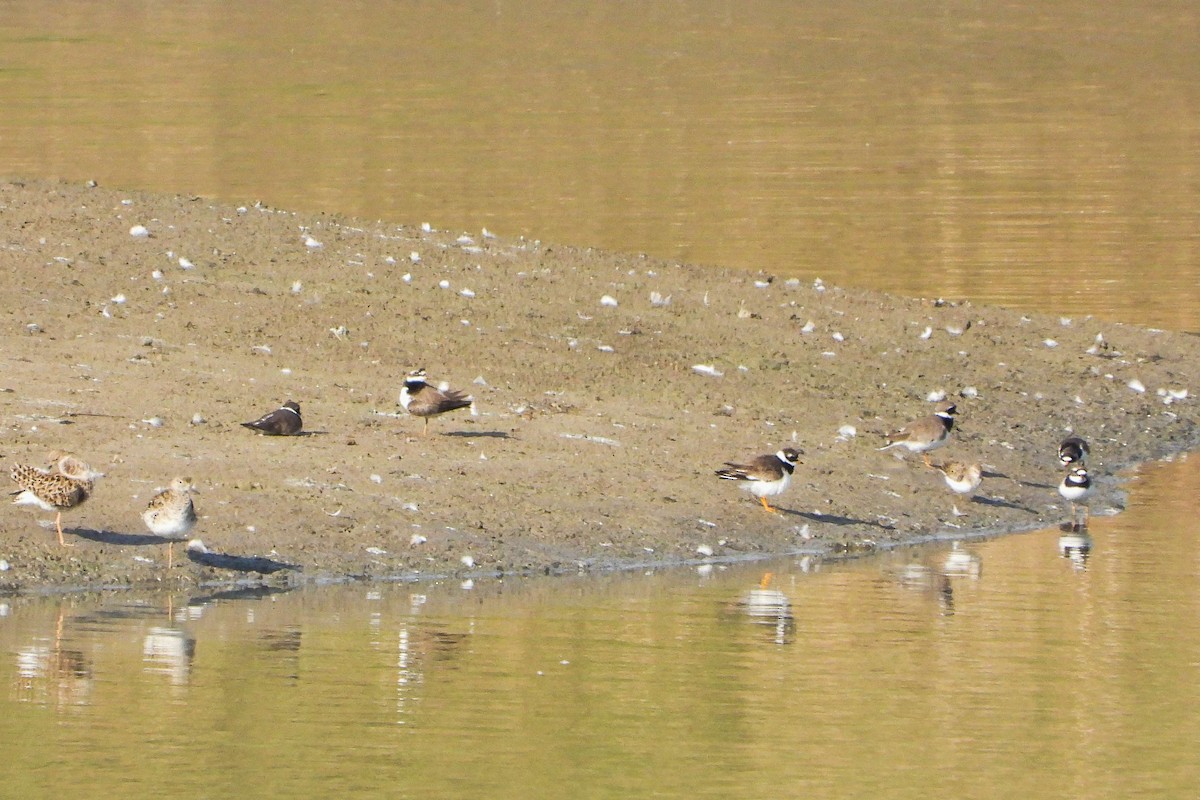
{"x":260,"y":564}
{"x":114,"y":537}
{"x":478,"y":434}
{"x":997,"y":502}
{"x":835,"y":519}
{"x":1049,"y":487}
{"x":991,"y":474}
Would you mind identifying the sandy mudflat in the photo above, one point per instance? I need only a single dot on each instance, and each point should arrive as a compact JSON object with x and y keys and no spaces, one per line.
{"x":595,"y":440}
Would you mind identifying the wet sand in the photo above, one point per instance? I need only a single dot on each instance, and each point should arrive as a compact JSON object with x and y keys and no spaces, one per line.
{"x":594,"y":440}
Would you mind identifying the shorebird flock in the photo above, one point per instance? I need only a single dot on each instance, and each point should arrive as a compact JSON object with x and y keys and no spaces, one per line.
{"x":67,"y":481}
{"x":769,"y":475}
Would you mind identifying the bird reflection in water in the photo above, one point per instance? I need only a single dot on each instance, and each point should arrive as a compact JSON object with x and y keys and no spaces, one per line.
{"x":770,"y":608}
{"x":962,"y":563}
{"x":1076,"y":547}
{"x":169,"y":651}
{"x":420,"y":646}
{"x":52,"y":674}
{"x":932,"y":575}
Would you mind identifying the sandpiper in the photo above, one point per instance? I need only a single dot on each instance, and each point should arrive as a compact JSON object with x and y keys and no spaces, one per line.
{"x":961,"y":476}
{"x":171,"y":515}
{"x":58,"y":491}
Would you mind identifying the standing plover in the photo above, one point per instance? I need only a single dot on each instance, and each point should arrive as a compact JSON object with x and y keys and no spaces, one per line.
{"x":925,"y":434}
{"x":1072,"y":450}
{"x":1075,"y":488}
{"x":171,"y":515}
{"x":59,"y":491}
{"x":765,"y":476}
{"x":283,"y":421}
{"x":421,"y":399}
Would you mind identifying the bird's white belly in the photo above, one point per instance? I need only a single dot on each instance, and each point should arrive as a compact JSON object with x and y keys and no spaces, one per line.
{"x":1074,"y":493}
{"x":768,"y":488}
{"x":28,"y":498}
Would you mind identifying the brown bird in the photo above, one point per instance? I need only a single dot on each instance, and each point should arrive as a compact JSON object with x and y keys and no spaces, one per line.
{"x":171,"y":515}
{"x":283,"y":421}
{"x":961,"y":476}
{"x":50,"y":490}
{"x":925,"y":434}
{"x":425,"y":401}
{"x":764,"y":476}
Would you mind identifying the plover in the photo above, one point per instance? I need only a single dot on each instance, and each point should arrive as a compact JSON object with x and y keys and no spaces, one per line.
{"x":765,"y":476}
{"x":171,"y":515}
{"x":961,"y":476}
{"x":1075,"y":488}
{"x":925,"y":434}
{"x":283,"y":421}
{"x":51,"y":490}
{"x":1072,"y":450}
{"x":421,"y":399}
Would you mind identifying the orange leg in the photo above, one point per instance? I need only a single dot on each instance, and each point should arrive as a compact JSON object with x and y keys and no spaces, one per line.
{"x":765,"y":581}
{"x":767,"y":505}
{"x":58,"y":526}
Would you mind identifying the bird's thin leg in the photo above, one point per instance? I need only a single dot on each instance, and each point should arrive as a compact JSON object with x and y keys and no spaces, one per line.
{"x":58,"y":527}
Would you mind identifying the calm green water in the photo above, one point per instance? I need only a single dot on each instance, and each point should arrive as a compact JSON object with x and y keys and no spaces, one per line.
{"x":1042,"y":155}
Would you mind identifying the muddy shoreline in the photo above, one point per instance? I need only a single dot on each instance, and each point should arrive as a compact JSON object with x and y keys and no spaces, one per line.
{"x":595,"y":437}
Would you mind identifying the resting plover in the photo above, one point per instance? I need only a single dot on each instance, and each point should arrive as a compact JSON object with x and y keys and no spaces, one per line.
{"x":925,"y":434}
{"x":1075,"y":488}
{"x":765,"y":476}
{"x":1072,"y":450}
{"x":283,"y":421}
{"x":171,"y":515}
{"x":421,"y":399}
{"x":961,"y":476}
{"x":68,"y":487}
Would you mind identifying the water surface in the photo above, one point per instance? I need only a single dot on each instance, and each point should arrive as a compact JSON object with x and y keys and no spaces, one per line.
{"x":1037,"y":154}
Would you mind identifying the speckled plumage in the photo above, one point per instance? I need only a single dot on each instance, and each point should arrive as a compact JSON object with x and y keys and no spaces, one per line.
{"x":962,"y":477}
{"x":171,"y":515}
{"x":423,"y":400}
{"x":67,"y":485}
